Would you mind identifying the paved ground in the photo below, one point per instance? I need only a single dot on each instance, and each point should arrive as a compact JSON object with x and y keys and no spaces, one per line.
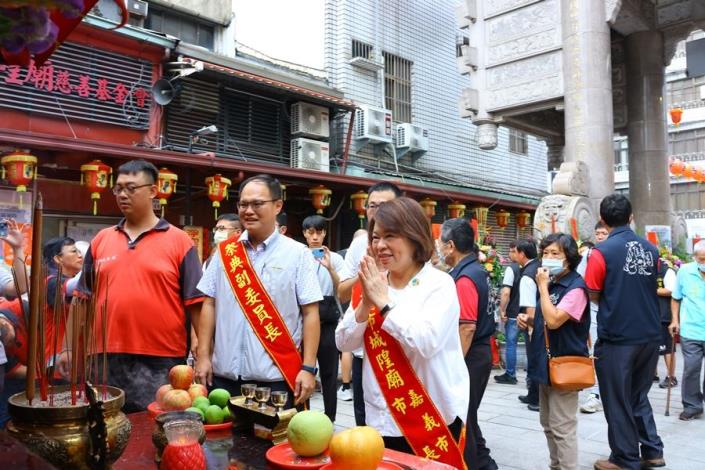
{"x":517,"y":441}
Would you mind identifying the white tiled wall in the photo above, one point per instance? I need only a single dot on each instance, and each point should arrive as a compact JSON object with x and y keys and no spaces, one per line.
{"x":424,"y":31}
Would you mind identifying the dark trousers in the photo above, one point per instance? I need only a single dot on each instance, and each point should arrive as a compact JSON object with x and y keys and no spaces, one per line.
{"x":625,"y":374}
{"x":692,"y":385}
{"x":139,"y":377}
{"x":400,"y":443}
{"x":328,"y":369}
{"x":358,"y":393}
{"x":479,"y":363}
{"x":233,"y":386}
{"x":532,"y":387}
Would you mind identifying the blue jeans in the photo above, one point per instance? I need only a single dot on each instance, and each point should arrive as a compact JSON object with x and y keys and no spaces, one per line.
{"x":511,"y":333}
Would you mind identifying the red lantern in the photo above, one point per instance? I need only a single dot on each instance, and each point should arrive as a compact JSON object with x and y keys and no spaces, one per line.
{"x":19,"y":168}
{"x":429,"y":207}
{"x":97,"y":176}
{"x":688,"y":171}
{"x":676,"y":115}
{"x":166,"y":186}
{"x":217,"y":190}
{"x":523,"y":219}
{"x":320,"y":198}
{"x":359,"y":205}
{"x":502,"y":217}
{"x":676,"y":167}
{"x":699,"y":175}
{"x":456,"y":209}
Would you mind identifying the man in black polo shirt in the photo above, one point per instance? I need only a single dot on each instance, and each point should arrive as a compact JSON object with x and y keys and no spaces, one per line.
{"x":622,"y":277}
{"x":476,"y":327}
{"x":526,"y":257}
{"x":509,"y":309}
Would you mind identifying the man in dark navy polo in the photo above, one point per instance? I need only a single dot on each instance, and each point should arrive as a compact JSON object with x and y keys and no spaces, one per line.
{"x":622,"y":278}
{"x":476,"y":328}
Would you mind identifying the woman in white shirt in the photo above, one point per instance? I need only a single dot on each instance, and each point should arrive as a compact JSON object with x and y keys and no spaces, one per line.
{"x":418,"y":309}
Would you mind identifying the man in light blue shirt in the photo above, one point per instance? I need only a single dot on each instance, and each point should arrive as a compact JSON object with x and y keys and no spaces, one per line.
{"x":688,"y":310}
{"x":229,"y":351}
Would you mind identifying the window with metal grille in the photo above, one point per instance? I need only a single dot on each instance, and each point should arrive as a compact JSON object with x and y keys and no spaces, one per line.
{"x":397,"y":86}
{"x":518,"y":142}
{"x":184,"y":27}
{"x":361,"y":49}
{"x":460,"y":41}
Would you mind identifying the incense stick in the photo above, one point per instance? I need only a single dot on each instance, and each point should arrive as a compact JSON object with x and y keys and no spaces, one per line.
{"x":34,"y":306}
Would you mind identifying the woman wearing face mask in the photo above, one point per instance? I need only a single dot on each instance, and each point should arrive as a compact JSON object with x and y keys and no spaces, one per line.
{"x":564,"y":309}
{"x":228,"y":225}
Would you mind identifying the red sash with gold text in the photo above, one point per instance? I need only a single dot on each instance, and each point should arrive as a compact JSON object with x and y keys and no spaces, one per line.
{"x":409,"y":403}
{"x":260,"y":311}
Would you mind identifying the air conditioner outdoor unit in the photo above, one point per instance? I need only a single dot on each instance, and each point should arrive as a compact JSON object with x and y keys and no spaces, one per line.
{"x":309,"y":120}
{"x":309,"y":154}
{"x":373,"y":124}
{"x":411,"y":137}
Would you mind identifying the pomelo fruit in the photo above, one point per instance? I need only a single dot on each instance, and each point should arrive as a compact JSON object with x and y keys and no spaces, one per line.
{"x":214,"y":415}
{"x":309,"y":433}
{"x":219,"y":396}
{"x":198,"y":411}
{"x":361,"y":448}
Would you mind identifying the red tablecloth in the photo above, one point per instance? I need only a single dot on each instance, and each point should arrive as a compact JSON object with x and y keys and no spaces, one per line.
{"x":227,"y":449}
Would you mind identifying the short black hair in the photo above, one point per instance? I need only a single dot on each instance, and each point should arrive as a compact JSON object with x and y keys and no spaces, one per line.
{"x":587,"y":244}
{"x":567,"y":245}
{"x":316,"y":222}
{"x":273,"y":184}
{"x":615,"y":210}
{"x":385,"y":186}
{"x":526,"y":246}
{"x":229,"y":217}
{"x":54,"y":247}
{"x":600,"y":225}
{"x":282,"y":219}
{"x":461,"y":232}
{"x":134,"y":167}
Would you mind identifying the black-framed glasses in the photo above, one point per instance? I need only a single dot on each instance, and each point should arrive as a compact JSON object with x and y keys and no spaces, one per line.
{"x":255,"y":205}
{"x":129,"y":189}
{"x":220,"y":228}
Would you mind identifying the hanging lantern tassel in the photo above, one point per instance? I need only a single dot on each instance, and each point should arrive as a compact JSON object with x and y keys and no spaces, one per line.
{"x":20,"y":169}
{"x":217,"y":190}
{"x":166,"y":186}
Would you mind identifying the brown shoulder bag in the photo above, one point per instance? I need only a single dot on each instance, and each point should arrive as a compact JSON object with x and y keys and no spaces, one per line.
{"x":570,"y":373}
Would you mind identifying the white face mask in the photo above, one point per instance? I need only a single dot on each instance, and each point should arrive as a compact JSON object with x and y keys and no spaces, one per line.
{"x":220,"y":236}
{"x":555,"y":266}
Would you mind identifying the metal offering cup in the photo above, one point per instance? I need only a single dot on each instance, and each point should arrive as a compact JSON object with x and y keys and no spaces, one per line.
{"x":248,"y":391}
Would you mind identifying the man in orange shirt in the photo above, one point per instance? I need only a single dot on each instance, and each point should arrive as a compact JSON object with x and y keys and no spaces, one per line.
{"x":150,"y":270}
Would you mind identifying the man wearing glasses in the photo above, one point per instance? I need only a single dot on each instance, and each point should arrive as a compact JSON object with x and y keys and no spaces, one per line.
{"x":261,"y":305}
{"x":148,"y":269}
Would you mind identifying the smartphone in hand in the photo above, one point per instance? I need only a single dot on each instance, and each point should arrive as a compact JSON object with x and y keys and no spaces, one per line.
{"x":3,"y":228}
{"x":318,"y":253}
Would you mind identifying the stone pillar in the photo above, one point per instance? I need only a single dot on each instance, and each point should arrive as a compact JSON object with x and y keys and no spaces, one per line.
{"x":649,"y":182}
{"x":587,"y":83}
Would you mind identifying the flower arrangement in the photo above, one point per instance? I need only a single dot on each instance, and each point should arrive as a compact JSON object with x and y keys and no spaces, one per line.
{"x":674,"y":261}
{"x":491,"y":260}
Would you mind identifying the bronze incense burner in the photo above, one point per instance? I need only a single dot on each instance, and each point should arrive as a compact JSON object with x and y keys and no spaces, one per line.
{"x":60,"y":434}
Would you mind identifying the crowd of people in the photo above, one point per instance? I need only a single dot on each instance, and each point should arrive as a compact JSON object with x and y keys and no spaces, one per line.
{"x":411,"y":337}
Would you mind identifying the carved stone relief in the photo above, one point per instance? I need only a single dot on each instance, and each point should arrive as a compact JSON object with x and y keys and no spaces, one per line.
{"x":523,"y":32}
{"x":572,"y":179}
{"x":526,"y":81}
{"x":496,"y":7}
{"x":556,"y":212}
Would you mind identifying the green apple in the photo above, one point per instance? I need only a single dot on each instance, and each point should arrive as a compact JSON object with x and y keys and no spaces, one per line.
{"x":202,"y":403}
{"x":219,"y":396}
{"x":198,"y":411}
{"x":214,"y":415}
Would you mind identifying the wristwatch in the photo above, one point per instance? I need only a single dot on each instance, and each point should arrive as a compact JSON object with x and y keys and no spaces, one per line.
{"x":309,"y":369}
{"x":387,"y":308}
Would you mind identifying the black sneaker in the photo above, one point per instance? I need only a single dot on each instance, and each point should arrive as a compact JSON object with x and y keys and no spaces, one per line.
{"x":525,"y":399}
{"x":533,"y":407}
{"x":505,"y":379}
{"x":668,"y":382}
{"x":656,"y":379}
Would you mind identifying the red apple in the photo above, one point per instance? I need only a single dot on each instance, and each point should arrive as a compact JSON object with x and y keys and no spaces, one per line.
{"x":181,"y":377}
{"x":176,"y":400}
{"x":161,"y":391}
{"x":197,"y":390}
